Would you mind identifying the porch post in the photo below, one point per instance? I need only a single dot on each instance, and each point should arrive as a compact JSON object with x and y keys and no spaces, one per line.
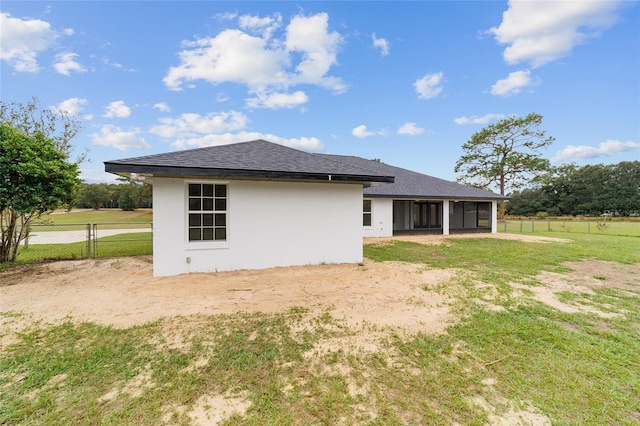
{"x":494,"y":217}
{"x":445,"y":217}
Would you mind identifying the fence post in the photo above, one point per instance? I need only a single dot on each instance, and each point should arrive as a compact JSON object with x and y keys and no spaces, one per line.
{"x":548,"y":225}
{"x":88,"y":241}
{"x":521,"y":227}
{"x":588,"y":227}
{"x":532,"y":226}
{"x":95,"y":240}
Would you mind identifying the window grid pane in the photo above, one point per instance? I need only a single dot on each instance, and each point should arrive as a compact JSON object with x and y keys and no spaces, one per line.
{"x":207,"y":212}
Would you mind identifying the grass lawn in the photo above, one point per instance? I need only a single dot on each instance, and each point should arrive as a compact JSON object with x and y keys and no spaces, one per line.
{"x":129,"y":244}
{"x":506,"y":353}
{"x":594,"y":226}
{"x":61,"y":217}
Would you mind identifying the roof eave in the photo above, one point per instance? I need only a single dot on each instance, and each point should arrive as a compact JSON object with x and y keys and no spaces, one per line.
{"x":197,"y":172}
{"x":438,"y":197}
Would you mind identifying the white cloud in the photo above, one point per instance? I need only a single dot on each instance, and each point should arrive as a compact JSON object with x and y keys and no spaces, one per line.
{"x":192,"y":125}
{"x":162,"y":106}
{"x":277,"y":100}
{"x":380,"y":43}
{"x":361,"y":131}
{"x":539,"y":32}
{"x":97,"y":176}
{"x":583,"y":152}
{"x":513,"y":84}
{"x":72,"y":106}
{"x":304,"y":143}
{"x":410,"y":129}
{"x":310,"y":36}
{"x":231,"y":56}
{"x":264,"y":27}
{"x":23,"y":40}
{"x":66,"y":62}
{"x":429,"y":86}
{"x":263,"y":63}
{"x":122,"y":140}
{"x":478,"y":119}
{"x":117,"y":109}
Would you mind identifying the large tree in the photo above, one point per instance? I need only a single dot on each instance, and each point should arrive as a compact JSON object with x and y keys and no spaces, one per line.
{"x":36,"y":177}
{"x":505,"y":154}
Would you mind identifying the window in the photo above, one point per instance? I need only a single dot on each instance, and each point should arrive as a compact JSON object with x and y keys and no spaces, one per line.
{"x":366,"y":213}
{"x":207,"y":212}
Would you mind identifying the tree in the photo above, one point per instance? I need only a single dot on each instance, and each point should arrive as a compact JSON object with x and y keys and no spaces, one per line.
{"x":58,"y":125}
{"x":588,"y":190}
{"x":35,"y":177}
{"x":93,"y":195}
{"x":505,"y":154}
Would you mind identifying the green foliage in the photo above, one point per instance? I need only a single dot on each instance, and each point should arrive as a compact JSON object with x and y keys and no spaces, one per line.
{"x":127,"y":196}
{"x":94,"y":196}
{"x":588,"y":190}
{"x":30,"y":119}
{"x":505,"y":154}
{"x":36,"y":177}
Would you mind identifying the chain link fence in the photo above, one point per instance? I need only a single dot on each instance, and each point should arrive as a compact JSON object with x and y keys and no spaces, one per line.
{"x":83,"y":241}
{"x":575,"y":225}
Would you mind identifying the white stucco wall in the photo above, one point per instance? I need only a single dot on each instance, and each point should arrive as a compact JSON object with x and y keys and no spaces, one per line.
{"x":269,"y":224}
{"x":381,"y":218}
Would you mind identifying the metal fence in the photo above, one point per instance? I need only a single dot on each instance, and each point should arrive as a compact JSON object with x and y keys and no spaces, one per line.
{"x":86,"y":240}
{"x":575,"y":225}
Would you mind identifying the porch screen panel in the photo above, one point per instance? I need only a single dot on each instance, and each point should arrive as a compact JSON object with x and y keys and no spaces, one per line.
{"x":470,"y":214}
{"x":435,"y":215}
{"x":484,"y":215}
{"x":456,"y":215}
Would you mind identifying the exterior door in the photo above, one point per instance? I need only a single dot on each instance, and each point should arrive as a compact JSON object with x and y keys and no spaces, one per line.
{"x":427,"y":215}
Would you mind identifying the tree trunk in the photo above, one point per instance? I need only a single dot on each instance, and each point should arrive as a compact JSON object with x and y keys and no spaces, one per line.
{"x":502,"y":207}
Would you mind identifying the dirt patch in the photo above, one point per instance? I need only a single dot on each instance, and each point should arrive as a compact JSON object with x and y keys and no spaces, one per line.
{"x":123,"y":292}
{"x":585,"y":278}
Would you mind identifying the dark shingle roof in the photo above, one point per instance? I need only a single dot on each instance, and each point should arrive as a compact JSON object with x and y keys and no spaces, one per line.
{"x":266,"y":160}
{"x":409,"y":184}
{"x":255,"y":159}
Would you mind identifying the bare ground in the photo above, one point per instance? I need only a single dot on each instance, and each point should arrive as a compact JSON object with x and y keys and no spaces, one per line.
{"x":387,"y":296}
{"x":123,"y":292}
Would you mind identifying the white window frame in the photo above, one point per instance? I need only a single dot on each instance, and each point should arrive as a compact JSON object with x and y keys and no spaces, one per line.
{"x":370,"y":213}
{"x":213,"y":243}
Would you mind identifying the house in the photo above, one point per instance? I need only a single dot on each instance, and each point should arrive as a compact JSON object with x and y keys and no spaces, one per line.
{"x":257,"y":204}
{"x":417,"y":203}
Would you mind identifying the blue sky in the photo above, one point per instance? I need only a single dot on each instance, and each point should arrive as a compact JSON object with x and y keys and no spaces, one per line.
{"x":404,"y":82}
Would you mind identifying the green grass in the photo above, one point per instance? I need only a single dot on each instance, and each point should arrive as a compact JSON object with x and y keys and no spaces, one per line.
{"x":594,"y":226}
{"x":130,"y":244}
{"x":62,"y":217}
{"x":573,"y":368}
{"x":499,"y":261}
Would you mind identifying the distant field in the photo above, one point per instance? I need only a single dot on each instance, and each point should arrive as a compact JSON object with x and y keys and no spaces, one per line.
{"x":61,"y":217}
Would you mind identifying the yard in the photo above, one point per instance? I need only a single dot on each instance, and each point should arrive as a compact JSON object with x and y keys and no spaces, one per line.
{"x":503,"y":329}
